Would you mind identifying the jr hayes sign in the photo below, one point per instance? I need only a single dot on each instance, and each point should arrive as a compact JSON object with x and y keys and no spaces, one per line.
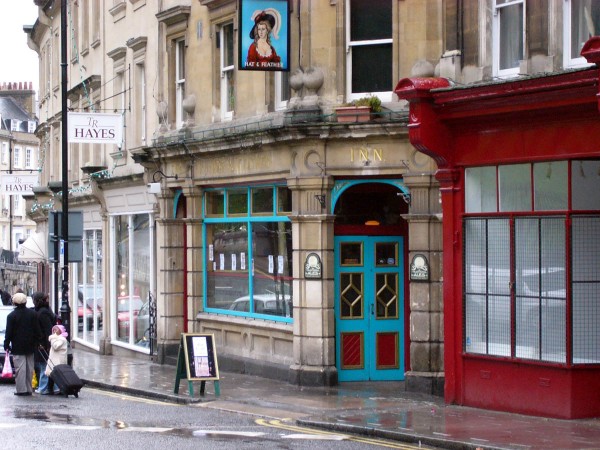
{"x":13,"y":184}
{"x":95,"y":128}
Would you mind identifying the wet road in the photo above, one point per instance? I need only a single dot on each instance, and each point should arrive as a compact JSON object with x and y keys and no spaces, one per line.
{"x":106,"y":420}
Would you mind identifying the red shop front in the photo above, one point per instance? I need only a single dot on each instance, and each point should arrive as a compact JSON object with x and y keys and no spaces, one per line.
{"x":519,"y":171}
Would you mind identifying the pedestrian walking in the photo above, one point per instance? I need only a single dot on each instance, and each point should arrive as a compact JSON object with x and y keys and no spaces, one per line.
{"x":5,"y":296}
{"x":23,"y":334}
{"x":46,"y":319}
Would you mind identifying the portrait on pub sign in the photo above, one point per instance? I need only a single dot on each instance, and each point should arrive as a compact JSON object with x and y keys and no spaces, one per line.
{"x":264,"y":35}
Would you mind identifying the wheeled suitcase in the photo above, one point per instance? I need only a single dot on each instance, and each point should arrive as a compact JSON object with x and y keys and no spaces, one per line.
{"x":66,"y":379}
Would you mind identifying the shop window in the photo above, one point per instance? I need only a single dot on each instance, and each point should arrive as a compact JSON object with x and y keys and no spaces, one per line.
{"x":284,"y":200}
{"x":518,"y":296}
{"x":262,"y":201}
{"x":581,"y":21}
{"x":90,"y":290}
{"x":369,"y":38}
{"x":249,"y":255}
{"x":237,"y":202}
{"x":132,"y":278}
{"x":508,"y":35}
{"x":550,"y":186}
{"x":514,"y":186}
{"x":585,"y":178}
{"x":480,"y":189}
{"x":215,"y":203}
{"x":585,"y":240}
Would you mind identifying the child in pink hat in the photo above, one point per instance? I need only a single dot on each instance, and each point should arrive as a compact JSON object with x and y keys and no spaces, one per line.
{"x":58,"y":352}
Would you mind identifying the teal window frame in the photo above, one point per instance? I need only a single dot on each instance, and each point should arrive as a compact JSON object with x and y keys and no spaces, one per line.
{"x":249,"y":219}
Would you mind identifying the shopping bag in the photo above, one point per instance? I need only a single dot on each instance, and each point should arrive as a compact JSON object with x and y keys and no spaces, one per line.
{"x":7,"y":371}
{"x":34,"y":381}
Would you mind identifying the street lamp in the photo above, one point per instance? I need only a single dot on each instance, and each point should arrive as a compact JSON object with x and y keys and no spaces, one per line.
{"x":65,"y":309}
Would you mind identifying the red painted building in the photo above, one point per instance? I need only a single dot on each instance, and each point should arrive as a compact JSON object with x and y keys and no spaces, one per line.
{"x":519,"y":171}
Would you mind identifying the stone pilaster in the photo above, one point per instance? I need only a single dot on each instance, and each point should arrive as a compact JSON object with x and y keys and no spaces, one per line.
{"x":426,"y":302}
{"x":314,"y":321}
{"x":170,"y":254}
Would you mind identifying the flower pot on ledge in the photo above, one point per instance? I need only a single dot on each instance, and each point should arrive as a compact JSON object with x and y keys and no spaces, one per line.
{"x":347,"y":114}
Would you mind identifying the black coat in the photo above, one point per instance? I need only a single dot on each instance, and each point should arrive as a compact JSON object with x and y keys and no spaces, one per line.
{"x":47,"y":320}
{"x":23,"y":332}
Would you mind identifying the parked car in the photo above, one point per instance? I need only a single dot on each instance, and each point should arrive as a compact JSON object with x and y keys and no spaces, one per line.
{"x":4,"y":312}
{"x":265,"y":304}
{"x":123,"y":313}
{"x":91,"y":294}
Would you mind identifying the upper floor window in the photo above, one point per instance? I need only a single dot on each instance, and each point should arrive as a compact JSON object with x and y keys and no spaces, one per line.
{"x":581,"y":21}
{"x":369,"y":39}
{"x":28,"y":157}
{"x":508,"y":33}
{"x":282,"y":90}
{"x":16,"y":157}
{"x":179,"y":81}
{"x":226,"y":58}
{"x":4,"y":155}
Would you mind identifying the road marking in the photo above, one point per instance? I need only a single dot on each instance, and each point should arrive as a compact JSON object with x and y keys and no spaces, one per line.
{"x":147,"y":429}
{"x":227,"y":433}
{"x":348,"y":437}
{"x":11,"y":425}
{"x":334,"y":437}
{"x":123,"y":396}
{"x":73,"y":427}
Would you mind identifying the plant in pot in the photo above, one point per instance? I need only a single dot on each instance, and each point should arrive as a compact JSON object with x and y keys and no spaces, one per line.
{"x":359,"y":110}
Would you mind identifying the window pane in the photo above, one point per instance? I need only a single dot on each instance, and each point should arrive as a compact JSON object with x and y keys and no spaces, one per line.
{"x":227,"y":264}
{"x":487,"y":286}
{"x":540,"y":288}
{"x":511,"y":36}
{"x":215,"y":203}
{"x":370,"y":20}
{"x":228,"y":36}
{"x":141,"y":275}
{"x":262,"y":201}
{"x":480,"y":189}
{"x":237,"y":202}
{"x":585,"y":23}
{"x":550,"y":185}
{"x":586,"y":289}
{"x":364,"y":78}
{"x":284,"y":200}
{"x":515,"y":187}
{"x":272,"y":268}
{"x":585,"y":178}
{"x":122,"y":264}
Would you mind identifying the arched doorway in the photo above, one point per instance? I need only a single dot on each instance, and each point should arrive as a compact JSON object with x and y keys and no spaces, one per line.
{"x":370,"y":258}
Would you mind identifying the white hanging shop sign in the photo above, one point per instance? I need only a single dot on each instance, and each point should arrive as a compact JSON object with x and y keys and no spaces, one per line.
{"x":15,"y":184}
{"x":95,"y":128}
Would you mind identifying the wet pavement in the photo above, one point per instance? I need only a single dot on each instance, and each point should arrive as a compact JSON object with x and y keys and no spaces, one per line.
{"x":377,"y":409}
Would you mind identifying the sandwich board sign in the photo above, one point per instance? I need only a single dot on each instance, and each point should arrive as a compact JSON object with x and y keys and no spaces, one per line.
{"x":197,"y":361}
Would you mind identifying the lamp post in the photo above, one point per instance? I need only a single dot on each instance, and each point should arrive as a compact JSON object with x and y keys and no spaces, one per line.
{"x":65,"y":309}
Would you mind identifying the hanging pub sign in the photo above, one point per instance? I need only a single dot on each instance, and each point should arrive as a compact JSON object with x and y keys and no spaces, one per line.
{"x":13,"y":184}
{"x":264,"y":35}
{"x":95,"y":128}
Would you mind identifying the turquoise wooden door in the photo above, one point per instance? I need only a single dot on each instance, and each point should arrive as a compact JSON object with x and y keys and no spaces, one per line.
{"x":369,"y":308}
